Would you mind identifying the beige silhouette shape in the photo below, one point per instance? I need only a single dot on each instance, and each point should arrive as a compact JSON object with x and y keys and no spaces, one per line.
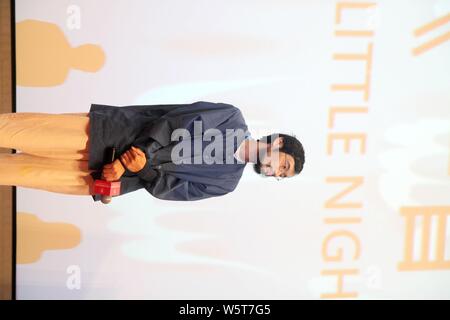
{"x":425,"y":262}
{"x":34,"y":236}
{"x":44,"y":56}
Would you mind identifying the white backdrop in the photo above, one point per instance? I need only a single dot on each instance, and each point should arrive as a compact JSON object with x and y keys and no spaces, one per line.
{"x":377,"y":75}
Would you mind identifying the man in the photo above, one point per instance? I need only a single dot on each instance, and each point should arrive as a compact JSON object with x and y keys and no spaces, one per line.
{"x":184,"y":151}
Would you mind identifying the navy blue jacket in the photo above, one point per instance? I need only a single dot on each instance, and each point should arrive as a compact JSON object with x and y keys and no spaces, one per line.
{"x":150,"y":127}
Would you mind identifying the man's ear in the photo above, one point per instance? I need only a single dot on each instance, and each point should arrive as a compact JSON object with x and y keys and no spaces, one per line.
{"x":277,"y":143}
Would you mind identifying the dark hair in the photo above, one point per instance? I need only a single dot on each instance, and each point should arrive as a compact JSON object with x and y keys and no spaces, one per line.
{"x":291,"y":146}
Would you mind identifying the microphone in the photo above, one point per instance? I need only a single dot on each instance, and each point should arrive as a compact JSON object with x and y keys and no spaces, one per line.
{"x":107,"y":189}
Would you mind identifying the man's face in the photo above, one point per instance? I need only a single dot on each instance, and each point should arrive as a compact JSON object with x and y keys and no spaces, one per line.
{"x":277,"y":164}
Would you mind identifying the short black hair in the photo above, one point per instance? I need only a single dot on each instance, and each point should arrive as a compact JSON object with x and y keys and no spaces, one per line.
{"x":291,"y":146}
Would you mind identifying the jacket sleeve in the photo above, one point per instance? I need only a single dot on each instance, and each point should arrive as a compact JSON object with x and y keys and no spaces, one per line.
{"x":147,"y":173}
{"x":168,"y":187}
{"x":212,"y":115}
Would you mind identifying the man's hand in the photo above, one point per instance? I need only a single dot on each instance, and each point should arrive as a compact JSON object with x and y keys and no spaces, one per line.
{"x":134,"y":159}
{"x":113,"y":171}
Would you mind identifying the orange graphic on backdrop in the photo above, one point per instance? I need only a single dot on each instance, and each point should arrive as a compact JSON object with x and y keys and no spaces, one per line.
{"x":44,"y":57}
{"x":425,"y":262}
{"x":434,"y":42}
{"x":35,"y":236}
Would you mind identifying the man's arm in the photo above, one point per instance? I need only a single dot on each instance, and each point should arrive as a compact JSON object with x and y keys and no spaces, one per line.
{"x":132,"y":165}
{"x":168,"y":187}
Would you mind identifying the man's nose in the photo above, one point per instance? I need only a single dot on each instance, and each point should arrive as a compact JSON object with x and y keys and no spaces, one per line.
{"x":280,"y":171}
